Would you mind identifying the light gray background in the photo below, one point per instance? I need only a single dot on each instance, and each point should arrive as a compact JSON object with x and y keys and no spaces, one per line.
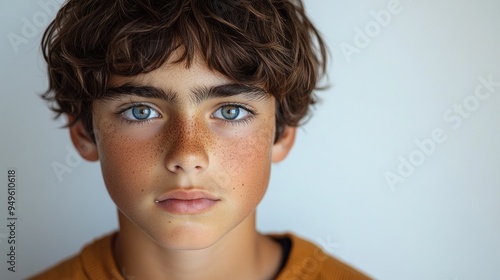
{"x":442,"y":222}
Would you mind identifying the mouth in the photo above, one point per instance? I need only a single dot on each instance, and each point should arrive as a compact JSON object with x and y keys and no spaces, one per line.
{"x":186,"y":202}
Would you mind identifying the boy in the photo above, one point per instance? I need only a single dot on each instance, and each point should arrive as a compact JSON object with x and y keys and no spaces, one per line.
{"x":186,"y":104}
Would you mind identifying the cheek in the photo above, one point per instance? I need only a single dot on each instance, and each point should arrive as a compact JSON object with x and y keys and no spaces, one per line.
{"x":126,"y":168}
{"x":248,"y":160}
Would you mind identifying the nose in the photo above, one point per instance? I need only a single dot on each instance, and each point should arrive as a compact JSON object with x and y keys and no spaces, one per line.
{"x":187,"y":153}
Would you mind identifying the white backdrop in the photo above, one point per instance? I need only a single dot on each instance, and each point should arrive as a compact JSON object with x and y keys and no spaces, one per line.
{"x":396,"y":173}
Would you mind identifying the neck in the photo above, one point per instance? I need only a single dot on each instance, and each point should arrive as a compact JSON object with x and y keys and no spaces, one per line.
{"x":242,"y":253}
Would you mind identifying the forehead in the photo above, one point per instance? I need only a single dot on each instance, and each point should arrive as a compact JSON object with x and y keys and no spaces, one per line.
{"x":175,"y":81}
{"x":175,"y":73}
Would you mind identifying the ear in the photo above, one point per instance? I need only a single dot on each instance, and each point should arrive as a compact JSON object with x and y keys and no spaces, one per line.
{"x":284,"y":144}
{"x":82,"y":141}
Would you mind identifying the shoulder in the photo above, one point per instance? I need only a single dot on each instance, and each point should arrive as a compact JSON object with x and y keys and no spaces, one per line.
{"x":307,"y":261}
{"x":95,"y":261}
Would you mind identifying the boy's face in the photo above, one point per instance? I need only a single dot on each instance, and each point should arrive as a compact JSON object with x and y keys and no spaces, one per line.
{"x":176,"y":130}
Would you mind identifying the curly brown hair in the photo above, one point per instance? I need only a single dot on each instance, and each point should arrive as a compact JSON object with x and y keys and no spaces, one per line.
{"x":270,"y":43}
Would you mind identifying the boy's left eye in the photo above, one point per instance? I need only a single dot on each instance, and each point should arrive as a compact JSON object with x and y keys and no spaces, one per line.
{"x":140,"y":113}
{"x":231,"y":113}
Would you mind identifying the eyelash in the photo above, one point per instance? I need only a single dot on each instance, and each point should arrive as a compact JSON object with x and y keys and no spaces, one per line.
{"x":245,"y":120}
{"x":251,"y":114}
{"x":120,"y":114}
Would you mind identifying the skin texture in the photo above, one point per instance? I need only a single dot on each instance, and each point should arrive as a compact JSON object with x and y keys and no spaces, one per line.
{"x":187,"y":145}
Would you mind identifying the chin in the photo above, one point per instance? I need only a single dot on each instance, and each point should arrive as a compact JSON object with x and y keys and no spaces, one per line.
{"x":186,"y":237}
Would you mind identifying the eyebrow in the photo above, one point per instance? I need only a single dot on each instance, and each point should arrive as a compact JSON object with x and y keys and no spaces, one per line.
{"x":126,"y":89}
{"x":199,"y":95}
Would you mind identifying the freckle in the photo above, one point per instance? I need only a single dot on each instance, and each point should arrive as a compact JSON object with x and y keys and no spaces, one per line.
{"x":242,"y":185}
{"x":233,"y":188}
{"x":142,"y":190}
{"x":169,"y":222}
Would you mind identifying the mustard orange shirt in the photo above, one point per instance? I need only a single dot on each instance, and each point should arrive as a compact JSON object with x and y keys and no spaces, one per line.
{"x":306,"y":261}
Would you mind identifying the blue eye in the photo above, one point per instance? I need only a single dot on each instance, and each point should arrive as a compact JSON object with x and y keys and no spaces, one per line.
{"x":231,"y":113}
{"x":140,"y":113}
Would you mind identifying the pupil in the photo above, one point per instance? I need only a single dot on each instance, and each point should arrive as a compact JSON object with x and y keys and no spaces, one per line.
{"x":230,"y":112}
{"x":141,"y":112}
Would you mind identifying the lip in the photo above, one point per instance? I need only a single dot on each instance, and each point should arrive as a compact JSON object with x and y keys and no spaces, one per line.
{"x":186,"y":195}
{"x":186,"y":202}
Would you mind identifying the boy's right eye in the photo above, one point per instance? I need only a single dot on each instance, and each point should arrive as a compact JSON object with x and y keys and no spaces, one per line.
{"x":140,"y":112}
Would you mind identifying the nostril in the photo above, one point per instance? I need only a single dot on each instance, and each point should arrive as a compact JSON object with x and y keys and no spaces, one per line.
{"x":175,"y":168}
{"x":180,"y":161}
{"x":179,"y":168}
